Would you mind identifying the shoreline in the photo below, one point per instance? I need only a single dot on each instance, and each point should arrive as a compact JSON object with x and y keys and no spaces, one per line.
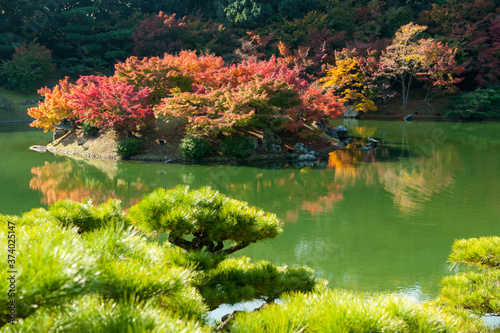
{"x":292,"y":157}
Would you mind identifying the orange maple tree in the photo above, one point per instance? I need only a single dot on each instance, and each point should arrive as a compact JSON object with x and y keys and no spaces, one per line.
{"x":55,"y":107}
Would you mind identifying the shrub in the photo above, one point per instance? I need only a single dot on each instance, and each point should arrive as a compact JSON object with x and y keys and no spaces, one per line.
{"x":6,"y":104}
{"x":345,"y":311}
{"x":194,"y":148}
{"x":55,"y":265}
{"x":237,"y":146}
{"x":84,"y":216}
{"x":261,"y":280}
{"x":29,"y":65}
{"x":206,"y":214}
{"x":93,"y":314}
{"x":246,"y":13}
{"x":477,"y":291}
{"x":128,"y":147}
{"x":476,"y":104}
{"x":88,"y":129}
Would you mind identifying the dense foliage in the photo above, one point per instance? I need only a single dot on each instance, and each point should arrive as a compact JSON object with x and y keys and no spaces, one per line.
{"x":194,"y":147}
{"x":344,"y":311}
{"x":55,"y":107}
{"x":237,"y":146}
{"x":205,"y":215}
{"x":127,"y":147}
{"x":474,"y":291}
{"x":480,"y":103}
{"x":30,"y":64}
{"x":106,"y":104}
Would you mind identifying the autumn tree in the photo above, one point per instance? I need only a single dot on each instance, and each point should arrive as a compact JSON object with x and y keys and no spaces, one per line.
{"x":259,"y":103}
{"x":164,"y":75}
{"x":440,"y":70}
{"x":54,"y":108}
{"x":473,"y":27}
{"x":158,"y":34}
{"x":106,"y":104}
{"x":348,"y":82}
{"x":403,"y":58}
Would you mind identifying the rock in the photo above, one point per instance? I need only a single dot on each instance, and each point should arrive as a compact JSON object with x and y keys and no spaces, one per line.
{"x":254,"y":142}
{"x":408,"y":117}
{"x":365,"y":148}
{"x":306,"y":157}
{"x":371,"y":140}
{"x":59,"y":133}
{"x":331,"y":132}
{"x":301,"y":148}
{"x":302,"y":164}
{"x":348,"y":141}
{"x":271,"y":143}
{"x":350,"y":112}
{"x":38,"y":148}
{"x":342,"y":132}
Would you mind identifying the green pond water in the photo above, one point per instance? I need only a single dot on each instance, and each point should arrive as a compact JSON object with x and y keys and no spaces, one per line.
{"x":382,"y":220}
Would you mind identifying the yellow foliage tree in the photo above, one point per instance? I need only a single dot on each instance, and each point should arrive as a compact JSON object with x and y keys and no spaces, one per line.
{"x":55,"y":107}
{"x":404,"y":58}
{"x":349,"y":83}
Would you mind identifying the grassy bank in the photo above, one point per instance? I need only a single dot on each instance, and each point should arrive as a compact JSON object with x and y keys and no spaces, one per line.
{"x":14,"y":105}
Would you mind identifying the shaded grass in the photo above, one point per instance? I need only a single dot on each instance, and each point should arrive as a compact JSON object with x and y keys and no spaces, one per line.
{"x":22,"y":101}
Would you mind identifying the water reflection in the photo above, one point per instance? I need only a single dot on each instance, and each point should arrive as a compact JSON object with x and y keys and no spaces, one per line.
{"x":411,"y":179}
{"x":79,"y":180}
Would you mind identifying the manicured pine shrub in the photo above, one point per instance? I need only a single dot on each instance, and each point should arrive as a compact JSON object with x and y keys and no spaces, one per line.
{"x":52,"y":266}
{"x":128,"y":147}
{"x":345,"y":311}
{"x":206,"y":214}
{"x":476,"y":292}
{"x":93,"y":314}
{"x":237,"y":146}
{"x":194,"y":148}
{"x":85,"y":216}
{"x":237,"y":280}
{"x":129,"y":265}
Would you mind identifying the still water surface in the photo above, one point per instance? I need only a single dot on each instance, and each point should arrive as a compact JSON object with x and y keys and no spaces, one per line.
{"x":382,"y":220}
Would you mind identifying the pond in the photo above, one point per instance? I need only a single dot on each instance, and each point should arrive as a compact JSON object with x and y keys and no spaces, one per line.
{"x":380,"y":220}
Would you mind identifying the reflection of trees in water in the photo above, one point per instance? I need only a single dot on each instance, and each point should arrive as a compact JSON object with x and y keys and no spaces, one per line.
{"x":414,"y":184}
{"x":412,"y":180}
{"x":78,"y":182}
